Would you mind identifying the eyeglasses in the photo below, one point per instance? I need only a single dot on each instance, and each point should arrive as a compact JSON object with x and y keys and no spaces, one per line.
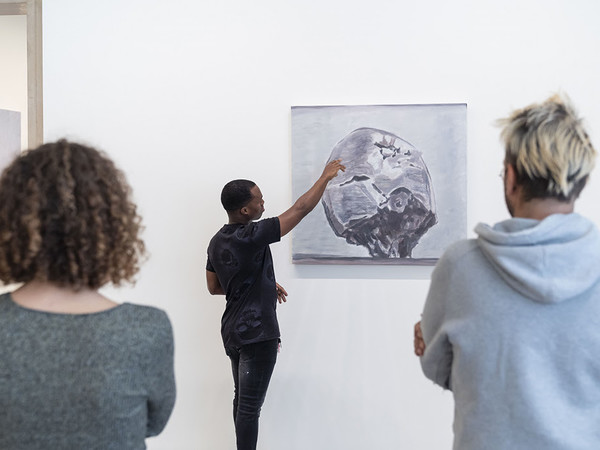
{"x":502,"y":173}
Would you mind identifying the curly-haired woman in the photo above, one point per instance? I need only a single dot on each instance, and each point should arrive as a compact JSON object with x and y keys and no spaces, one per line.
{"x":77,"y":370}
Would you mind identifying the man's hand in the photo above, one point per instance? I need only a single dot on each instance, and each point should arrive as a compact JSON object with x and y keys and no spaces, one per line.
{"x":332,"y":168}
{"x":419,"y":343}
{"x":281,"y":293}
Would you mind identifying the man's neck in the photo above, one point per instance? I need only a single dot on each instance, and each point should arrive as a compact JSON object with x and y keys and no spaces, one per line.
{"x":540,"y":208}
{"x":238,"y":219}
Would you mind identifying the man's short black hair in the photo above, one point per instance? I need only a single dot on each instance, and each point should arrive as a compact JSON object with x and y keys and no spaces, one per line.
{"x":236,"y":194}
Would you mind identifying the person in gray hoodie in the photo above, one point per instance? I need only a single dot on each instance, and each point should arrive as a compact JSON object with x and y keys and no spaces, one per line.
{"x":511,"y":324}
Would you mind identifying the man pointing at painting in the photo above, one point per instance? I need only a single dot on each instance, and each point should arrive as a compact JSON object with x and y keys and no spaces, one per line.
{"x":240,"y":267}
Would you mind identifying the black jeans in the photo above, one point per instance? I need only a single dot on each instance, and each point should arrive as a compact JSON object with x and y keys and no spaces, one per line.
{"x":252,"y":366}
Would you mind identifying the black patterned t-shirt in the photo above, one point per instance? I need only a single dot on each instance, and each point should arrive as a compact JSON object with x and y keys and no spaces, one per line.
{"x":240,"y":256}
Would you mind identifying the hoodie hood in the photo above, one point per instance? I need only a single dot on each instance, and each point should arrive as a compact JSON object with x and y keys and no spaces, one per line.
{"x":548,"y":261}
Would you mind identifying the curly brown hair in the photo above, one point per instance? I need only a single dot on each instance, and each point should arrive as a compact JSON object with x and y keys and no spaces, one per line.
{"x":66,"y":216}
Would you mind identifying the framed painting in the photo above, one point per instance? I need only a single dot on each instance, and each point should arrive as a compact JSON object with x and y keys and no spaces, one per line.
{"x":402,"y":198}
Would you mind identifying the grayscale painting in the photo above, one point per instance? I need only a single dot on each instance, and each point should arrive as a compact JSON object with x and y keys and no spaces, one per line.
{"x":402,"y":198}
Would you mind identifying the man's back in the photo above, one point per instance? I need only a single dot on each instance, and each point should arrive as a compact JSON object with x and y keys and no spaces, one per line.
{"x":240,"y":256}
{"x":512,"y":325}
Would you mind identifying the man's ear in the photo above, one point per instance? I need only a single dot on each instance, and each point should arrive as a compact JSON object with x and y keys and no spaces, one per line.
{"x":244,"y":211}
{"x":510,"y":180}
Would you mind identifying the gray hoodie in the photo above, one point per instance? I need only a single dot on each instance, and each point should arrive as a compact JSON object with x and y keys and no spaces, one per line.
{"x":512,"y":327}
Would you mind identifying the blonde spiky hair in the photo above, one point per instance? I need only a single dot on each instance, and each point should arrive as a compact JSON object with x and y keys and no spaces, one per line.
{"x":549,"y":149}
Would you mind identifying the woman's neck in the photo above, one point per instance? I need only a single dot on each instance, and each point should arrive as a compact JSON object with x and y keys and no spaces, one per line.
{"x":49,"y":297}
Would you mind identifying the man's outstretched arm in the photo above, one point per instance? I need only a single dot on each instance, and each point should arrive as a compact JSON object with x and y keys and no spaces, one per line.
{"x":306,"y":203}
{"x":213,"y":283}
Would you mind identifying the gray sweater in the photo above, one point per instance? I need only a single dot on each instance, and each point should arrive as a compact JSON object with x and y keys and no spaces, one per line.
{"x":512,"y":327}
{"x":84,"y":381}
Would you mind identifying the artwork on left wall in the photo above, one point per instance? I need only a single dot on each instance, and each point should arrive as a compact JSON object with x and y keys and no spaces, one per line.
{"x":402,"y":198}
{"x":10,"y":136}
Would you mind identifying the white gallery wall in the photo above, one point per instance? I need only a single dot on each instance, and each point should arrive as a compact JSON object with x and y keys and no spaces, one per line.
{"x":186,"y":95}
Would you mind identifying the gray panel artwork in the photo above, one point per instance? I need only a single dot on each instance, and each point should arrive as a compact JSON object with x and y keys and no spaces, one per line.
{"x":401,"y":199}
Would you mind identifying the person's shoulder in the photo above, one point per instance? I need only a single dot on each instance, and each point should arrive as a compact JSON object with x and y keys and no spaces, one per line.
{"x":6,"y":304}
{"x":459,"y":250}
{"x":217,"y":236}
{"x":148,"y":315}
{"x":268,"y":222}
{"x":260,"y":227}
{"x":149,"y":328}
{"x":458,"y":258}
{"x":5,"y":299}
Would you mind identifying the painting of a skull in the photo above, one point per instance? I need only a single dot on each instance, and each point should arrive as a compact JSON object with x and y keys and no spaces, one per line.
{"x":402,"y":198}
{"x":384,"y":200}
